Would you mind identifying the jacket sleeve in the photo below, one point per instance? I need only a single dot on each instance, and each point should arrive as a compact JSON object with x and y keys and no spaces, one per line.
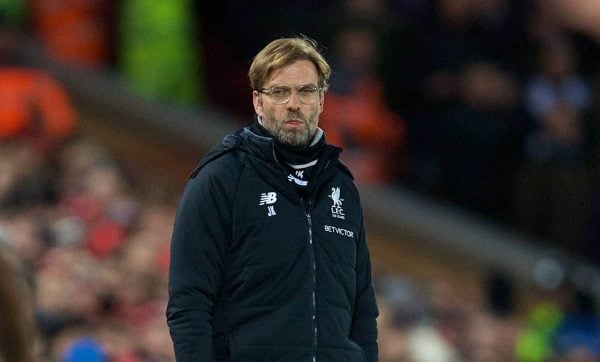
{"x":364,"y":322}
{"x":198,"y":246}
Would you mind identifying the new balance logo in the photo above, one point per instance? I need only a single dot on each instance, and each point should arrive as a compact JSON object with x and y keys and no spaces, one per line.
{"x":268,"y":198}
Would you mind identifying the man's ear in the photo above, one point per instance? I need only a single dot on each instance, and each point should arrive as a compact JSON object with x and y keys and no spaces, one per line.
{"x":257,"y":101}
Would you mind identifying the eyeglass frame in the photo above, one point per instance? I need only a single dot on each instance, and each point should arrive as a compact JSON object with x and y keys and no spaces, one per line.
{"x":269,"y":91}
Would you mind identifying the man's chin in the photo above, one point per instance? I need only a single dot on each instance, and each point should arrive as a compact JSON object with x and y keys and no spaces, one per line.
{"x":297,"y":138}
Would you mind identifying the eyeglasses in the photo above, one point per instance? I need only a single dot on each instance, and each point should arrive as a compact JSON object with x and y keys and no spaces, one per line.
{"x":307,"y":94}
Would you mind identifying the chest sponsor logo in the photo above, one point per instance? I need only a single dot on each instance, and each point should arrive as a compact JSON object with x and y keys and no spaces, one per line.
{"x":337,"y":210}
{"x":340,"y":231}
{"x":269,"y":199}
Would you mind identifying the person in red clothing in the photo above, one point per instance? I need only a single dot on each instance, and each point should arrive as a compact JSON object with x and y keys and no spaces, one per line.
{"x":34,"y":104}
{"x":75,"y":32}
{"x":371,"y":134}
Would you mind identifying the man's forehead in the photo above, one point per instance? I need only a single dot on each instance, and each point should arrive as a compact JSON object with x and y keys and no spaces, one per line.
{"x":299,"y":72}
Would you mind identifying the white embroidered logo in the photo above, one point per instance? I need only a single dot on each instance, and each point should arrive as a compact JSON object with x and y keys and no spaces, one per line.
{"x":300,"y":173}
{"x":336,"y":230}
{"x":268,"y":198}
{"x":297,"y":180}
{"x":336,"y":209}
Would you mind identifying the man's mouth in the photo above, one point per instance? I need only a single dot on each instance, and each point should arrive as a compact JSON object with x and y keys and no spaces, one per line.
{"x":294,"y":122}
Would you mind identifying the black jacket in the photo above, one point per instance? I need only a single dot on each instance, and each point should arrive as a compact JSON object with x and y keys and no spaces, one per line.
{"x":260,"y":274}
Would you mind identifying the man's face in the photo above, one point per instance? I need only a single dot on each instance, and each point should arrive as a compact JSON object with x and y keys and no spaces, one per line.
{"x":294,"y":122}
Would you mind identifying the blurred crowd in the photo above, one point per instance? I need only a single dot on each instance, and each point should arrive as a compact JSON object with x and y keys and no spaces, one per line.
{"x":490,"y":105}
{"x":94,"y":253}
{"x":433,"y":321}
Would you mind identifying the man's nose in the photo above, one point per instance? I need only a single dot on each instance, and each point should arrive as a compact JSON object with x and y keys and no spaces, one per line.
{"x":294,"y":101}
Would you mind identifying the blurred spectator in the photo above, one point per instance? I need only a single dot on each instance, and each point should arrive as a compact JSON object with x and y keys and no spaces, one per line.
{"x":25,"y":178}
{"x":409,"y":326}
{"x":158,"y":52}
{"x":557,"y":80}
{"x":577,"y":337}
{"x":391,"y":338}
{"x":489,"y":338}
{"x":423,"y":60}
{"x":542,"y":24}
{"x":421,"y":68}
{"x":84,"y":349}
{"x":96,"y":209}
{"x":534,"y":343}
{"x":559,"y":136}
{"x":477,"y":141}
{"x":553,"y":191}
{"x":357,"y":117}
{"x":580,"y":15}
{"x":33,"y":104}
{"x":17,"y":331}
{"x":423,"y":72}
{"x":75,"y":32}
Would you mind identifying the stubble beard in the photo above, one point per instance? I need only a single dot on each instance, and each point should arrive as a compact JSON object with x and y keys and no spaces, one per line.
{"x":300,"y":137}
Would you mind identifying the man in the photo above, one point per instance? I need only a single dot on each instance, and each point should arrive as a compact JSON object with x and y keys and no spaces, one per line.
{"x":269,"y":260}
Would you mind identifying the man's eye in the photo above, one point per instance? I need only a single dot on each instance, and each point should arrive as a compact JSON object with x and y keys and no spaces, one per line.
{"x":307,"y":91}
{"x":278,"y":92}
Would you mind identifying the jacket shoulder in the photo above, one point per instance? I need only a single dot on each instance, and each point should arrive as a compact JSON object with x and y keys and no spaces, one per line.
{"x":227,"y":144}
{"x":341,"y":166}
{"x":333,"y":153}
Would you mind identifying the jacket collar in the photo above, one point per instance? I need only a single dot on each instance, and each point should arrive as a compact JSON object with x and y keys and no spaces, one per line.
{"x":260,"y":146}
{"x":264,"y":147}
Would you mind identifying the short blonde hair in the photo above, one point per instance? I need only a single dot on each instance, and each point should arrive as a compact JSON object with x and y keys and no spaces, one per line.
{"x":282,"y":52}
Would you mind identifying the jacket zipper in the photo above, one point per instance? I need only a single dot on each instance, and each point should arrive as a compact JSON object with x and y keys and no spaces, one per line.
{"x":314,"y":281}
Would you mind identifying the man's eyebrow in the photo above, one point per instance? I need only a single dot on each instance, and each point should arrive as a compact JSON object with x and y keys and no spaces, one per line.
{"x":294,"y":86}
